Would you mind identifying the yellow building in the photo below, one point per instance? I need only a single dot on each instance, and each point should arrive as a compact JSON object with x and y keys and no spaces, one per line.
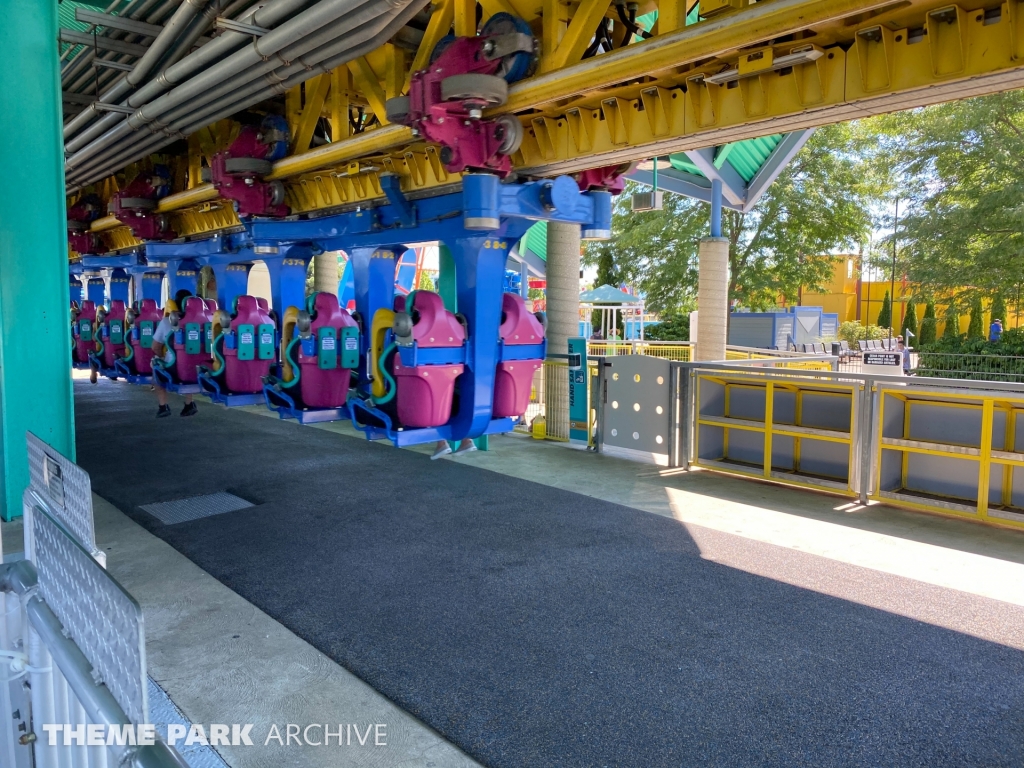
{"x":854,"y":299}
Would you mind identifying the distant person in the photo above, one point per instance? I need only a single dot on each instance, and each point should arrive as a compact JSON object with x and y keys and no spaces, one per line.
{"x":995,"y":330}
{"x":94,"y":369}
{"x":904,"y":355}
{"x":161,"y":349}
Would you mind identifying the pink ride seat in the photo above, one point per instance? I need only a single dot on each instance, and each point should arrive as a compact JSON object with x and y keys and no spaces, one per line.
{"x":196,"y":315}
{"x":426,"y":392}
{"x":84,"y":346}
{"x":325,"y":388}
{"x":513,"y":379}
{"x":246,"y":376}
{"x":112,"y":348}
{"x":149,"y":312}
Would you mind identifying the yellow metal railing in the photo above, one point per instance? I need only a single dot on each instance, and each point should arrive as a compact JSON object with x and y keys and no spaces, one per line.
{"x":955,"y":453}
{"x":764,"y":429}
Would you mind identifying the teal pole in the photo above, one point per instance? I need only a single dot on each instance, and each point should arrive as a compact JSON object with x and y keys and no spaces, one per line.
{"x":35,"y":341}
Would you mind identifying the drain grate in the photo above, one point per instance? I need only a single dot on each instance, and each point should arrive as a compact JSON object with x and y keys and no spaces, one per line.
{"x":195,"y":507}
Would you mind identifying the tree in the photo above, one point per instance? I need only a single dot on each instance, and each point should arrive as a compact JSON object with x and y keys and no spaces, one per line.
{"x":910,"y":323}
{"x":607,"y":274}
{"x":964,"y":167}
{"x":674,"y":326}
{"x":927,"y":335}
{"x":885,"y":313}
{"x":976,"y":327}
{"x":999,"y":309}
{"x":952,"y":329}
{"x":820,"y":203}
{"x":426,"y":282}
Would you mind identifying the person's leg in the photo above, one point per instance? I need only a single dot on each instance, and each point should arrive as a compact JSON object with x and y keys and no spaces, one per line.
{"x":466,"y":446}
{"x":163,"y":408}
{"x":190,"y":408}
{"x":441,"y":449}
{"x":93,"y":373}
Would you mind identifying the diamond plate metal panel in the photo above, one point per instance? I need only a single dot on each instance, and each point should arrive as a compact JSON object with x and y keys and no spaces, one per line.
{"x":66,"y":487}
{"x":637,"y":411}
{"x":195,"y":507}
{"x":103,"y":620}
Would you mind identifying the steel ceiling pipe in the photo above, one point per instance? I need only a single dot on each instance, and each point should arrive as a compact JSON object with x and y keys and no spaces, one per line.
{"x":339,"y":52}
{"x":169,"y":39}
{"x":74,"y":72}
{"x":223,"y":45}
{"x":290,"y":56}
{"x":162,"y":43}
{"x":300,"y":26}
{"x":375,"y":33}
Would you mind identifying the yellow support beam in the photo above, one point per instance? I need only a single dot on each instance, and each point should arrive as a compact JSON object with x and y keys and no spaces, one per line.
{"x":341,"y":85}
{"x":316,"y":95}
{"x":365,"y":79}
{"x":577,"y":37}
{"x":465,"y":18}
{"x":441,"y":18}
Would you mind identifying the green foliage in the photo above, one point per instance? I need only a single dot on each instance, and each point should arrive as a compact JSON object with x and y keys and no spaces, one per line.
{"x":885,"y":313}
{"x":962,"y":167}
{"x":819,"y":204}
{"x":910,"y":324}
{"x":998,"y":309}
{"x":928,"y":326}
{"x":607,"y":274}
{"x":976,"y":327}
{"x":963,"y":357}
{"x":674,"y":326}
{"x":952,"y":329}
{"x":427,"y":282}
{"x":851,"y":331}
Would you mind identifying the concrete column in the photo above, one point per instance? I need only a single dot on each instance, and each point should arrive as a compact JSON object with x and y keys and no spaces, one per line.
{"x":325,"y":272}
{"x":35,"y":346}
{"x":563,"y":312}
{"x":712,"y":298}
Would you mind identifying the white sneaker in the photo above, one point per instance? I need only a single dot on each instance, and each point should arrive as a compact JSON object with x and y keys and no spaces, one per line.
{"x":468,"y":449}
{"x":441,"y":452}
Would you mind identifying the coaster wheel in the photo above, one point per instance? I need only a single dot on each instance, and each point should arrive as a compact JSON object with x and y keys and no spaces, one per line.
{"x":516,"y":66}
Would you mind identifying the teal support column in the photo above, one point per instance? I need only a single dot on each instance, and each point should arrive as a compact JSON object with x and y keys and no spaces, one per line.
{"x":35,"y":345}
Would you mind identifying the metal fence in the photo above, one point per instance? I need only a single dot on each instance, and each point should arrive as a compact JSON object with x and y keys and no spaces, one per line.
{"x":947,"y":365}
{"x":72,"y":639}
{"x":943,"y":445}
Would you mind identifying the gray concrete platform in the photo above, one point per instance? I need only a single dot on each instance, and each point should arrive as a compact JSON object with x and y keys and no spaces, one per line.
{"x":220,"y":658}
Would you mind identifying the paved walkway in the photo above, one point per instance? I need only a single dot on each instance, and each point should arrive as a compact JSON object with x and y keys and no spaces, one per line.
{"x":863,"y":635}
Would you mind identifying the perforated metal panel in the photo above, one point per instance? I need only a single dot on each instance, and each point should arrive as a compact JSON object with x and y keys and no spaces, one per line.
{"x":637,"y":412}
{"x":195,"y":507}
{"x":67,"y":489}
{"x":103,"y":620}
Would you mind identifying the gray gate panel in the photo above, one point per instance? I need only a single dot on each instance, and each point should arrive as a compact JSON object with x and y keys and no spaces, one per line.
{"x":712,"y":398}
{"x":104,"y":621}
{"x":746,"y":403}
{"x":1017,"y":495}
{"x":711,"y":443}
{"x":942,"y":424}
{"x":826,"y":411}
{"x":784,"y":406}
{"x":891,"y":471}
{"x":783,"y":450}
{"x":746,"y":446}
{"x":892,"y":426}
{"x":942,"y":476}
{"x":825,"y":457}
{"x":638,"y":412}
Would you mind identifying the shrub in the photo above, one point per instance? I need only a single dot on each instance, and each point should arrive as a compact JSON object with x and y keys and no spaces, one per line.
{"x":910,"y":324}
{"x":927,"y":334}
{"x":885,"y":314}
{"x":674,"y":326}
{"x":976,"y":327}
